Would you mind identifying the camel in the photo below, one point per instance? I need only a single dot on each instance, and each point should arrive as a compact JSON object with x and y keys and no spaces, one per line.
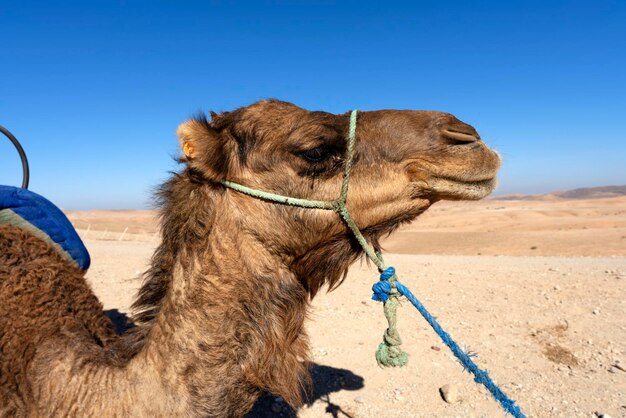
{"x":221,"y":312}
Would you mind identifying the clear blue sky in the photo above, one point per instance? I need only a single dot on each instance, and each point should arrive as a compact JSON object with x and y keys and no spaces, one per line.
{"x":95,"y":89}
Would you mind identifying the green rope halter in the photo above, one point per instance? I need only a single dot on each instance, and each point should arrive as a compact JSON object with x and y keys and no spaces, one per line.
{"x":389,"y":352}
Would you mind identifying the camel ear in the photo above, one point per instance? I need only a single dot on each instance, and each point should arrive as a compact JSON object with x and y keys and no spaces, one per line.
{"x":204,"y":148}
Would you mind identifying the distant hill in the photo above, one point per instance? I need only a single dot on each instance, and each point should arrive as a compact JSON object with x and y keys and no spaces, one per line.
{"x":582,"y":193}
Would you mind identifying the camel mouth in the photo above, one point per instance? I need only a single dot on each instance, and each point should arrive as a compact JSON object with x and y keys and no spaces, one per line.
{"x":460,"y":180}
{"x":450,"y":188}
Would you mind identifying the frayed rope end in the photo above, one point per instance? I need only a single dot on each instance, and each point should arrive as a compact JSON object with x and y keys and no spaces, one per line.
{"x":391,"y":356}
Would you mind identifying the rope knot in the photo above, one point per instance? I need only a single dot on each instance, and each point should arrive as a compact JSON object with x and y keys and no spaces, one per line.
{"x":387,"y":273}
{"x":389,"y":352}
{"x":383,"y":287}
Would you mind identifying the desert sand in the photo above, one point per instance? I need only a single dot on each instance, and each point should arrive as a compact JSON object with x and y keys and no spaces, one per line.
{"x":537,"y":288}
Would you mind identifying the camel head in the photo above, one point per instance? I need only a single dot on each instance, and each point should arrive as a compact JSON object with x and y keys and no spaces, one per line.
{"x":404,"y":161}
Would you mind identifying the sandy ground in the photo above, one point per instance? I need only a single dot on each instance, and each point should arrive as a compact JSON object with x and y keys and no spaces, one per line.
{"x":591,"y":227}
{"x":543,"y":305}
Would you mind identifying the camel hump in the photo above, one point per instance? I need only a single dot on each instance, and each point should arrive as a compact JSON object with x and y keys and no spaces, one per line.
{"x":33,"y":212}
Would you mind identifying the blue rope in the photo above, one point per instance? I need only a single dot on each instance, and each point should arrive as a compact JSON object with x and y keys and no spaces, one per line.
{"x":381,"y":293}
{"x":383,"y":287}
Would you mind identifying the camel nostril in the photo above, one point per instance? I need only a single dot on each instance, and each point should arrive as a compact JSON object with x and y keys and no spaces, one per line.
{"x":459,"y":136}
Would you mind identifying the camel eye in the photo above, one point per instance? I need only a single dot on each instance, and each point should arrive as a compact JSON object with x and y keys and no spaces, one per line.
{"x":316,"y":155}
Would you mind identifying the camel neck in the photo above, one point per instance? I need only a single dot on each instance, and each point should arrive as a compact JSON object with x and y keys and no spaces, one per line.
{"x":249,"y":306}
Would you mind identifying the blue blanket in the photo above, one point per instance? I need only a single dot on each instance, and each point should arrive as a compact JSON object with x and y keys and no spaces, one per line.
{"x":31,"y":211}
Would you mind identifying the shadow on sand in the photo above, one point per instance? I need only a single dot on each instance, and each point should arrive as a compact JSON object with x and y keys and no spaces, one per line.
{"x":326,"y":380}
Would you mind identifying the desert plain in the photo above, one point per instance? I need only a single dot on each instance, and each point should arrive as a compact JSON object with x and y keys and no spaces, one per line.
{"x":536,"y":287}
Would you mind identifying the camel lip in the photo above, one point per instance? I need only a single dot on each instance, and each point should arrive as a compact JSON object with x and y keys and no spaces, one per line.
{"x":483,"y":167}
{"x":460,"y":189}
{"x":464,"y":190}
{"x":467,"y":178}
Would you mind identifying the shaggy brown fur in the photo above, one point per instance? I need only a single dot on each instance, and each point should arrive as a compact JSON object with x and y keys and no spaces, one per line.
{"x":43,"y":297}
{"x":223,"y":306}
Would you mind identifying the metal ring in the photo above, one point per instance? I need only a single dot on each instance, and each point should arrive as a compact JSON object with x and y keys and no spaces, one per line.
{"x":20,"y":150}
